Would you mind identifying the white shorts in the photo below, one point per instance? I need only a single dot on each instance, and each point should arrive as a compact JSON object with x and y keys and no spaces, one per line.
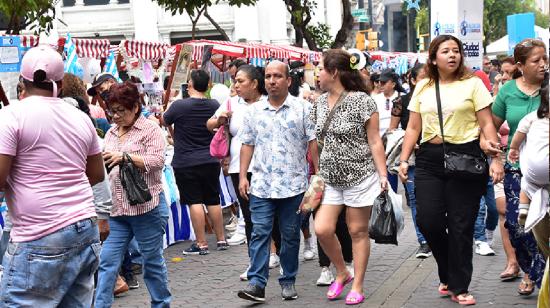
{"x":360,"y":195}
{"x":499,"y":190}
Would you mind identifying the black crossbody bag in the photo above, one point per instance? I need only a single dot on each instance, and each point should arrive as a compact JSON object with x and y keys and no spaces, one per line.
{"x":461,"y":165}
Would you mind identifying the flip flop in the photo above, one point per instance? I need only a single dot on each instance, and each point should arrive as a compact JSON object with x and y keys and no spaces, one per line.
{"x":504,"y":276}
{"x":354,"y":298}
{"x":336,"y":288}
{"x":528,"y":289}
{"x":443,"y":290}
{"x":464,"y":299}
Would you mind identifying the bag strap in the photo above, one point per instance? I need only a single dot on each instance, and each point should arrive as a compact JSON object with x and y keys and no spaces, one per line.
{"x":331,"y":115}
{"x":127,"y":158}
{"x":440,"y":113}
{"x":228,"y":104}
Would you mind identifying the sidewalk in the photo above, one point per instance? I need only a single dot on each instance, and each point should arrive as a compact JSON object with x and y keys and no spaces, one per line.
{"x":395,"y":278}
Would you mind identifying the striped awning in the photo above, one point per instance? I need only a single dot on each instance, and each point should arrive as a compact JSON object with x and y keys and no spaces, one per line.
{"x":145,"y":50}
{"x":254,"y":50}
{"x":29,"y":41}
{"x":89,"y":48}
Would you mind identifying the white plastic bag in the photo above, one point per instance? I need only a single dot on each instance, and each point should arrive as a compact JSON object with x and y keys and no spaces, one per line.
{"x":396,"y":202}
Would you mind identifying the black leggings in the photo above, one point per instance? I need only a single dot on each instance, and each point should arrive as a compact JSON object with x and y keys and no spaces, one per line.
{"x":244,"y":205}
{"x":447,"y":208}
{"x":343,"y":236}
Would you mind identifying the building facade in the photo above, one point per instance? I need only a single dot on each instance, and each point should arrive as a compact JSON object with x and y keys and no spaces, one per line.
{"x":268,"y":21}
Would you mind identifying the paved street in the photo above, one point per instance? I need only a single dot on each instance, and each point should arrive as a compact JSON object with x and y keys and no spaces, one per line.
{"x":394,"y":279}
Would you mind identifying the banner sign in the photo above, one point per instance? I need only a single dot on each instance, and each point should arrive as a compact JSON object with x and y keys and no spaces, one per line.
{"x":10,"y":54}
{"x":520,"y":27}
{"x":464,"y":20}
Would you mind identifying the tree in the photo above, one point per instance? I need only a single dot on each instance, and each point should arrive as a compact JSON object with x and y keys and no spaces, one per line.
{"x":495,"y":12}
{"x":301,"y":12}
{"x":321,"y":35}
{"x":347,"y":25}
{"x":21,"y":14}
{"x":300,"y":16}
{"x":196,"y":8}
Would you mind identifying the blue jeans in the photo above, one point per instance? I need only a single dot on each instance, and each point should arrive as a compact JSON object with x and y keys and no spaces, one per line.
{"x":487,"y":217}
{"x":148,"y":230}
{"x":263,"y":212}
{"x":411,"y":197}
{"x":132,"y":256}
{"x":56,"y":270}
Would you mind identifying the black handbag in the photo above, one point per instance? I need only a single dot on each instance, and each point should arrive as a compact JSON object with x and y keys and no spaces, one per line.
{"x":457,"y":164}
{"x":133,"y":183}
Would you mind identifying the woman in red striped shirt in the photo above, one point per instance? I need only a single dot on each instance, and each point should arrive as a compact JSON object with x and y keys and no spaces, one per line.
{"x":142,"y":139}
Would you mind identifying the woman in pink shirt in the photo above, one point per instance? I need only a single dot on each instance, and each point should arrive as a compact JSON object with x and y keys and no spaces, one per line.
{"x":143,"y":141}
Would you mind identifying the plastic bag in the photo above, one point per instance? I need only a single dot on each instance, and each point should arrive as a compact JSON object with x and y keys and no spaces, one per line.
{"x":397,"y":204}
{"x":382,"y":224}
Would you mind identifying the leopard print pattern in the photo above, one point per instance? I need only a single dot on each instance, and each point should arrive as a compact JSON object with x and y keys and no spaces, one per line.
{"x":346,"y":159}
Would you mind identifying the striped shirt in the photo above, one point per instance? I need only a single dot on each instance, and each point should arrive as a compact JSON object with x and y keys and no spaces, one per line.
{"x":144,"y":139}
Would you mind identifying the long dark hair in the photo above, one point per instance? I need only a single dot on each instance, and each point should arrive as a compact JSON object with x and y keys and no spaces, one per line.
{"x":296,"y":76}
{"x":351,"y":79}
{"x":523,"y":50}
{"x":432,"y":71}
{"x":415,"y":71}
{"x":543,"y":107}
{"x":254,"y":73}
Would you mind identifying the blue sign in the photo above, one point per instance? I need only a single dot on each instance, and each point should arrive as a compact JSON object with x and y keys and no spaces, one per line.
{"x":520,"y":27}
{"x":10,"y":54}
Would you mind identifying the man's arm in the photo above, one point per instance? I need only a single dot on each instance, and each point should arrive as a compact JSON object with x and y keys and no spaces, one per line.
{"x":94,"y":169}
{"x":5,"y":167}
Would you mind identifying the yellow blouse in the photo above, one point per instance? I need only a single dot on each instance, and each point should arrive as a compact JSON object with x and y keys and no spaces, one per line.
{"x":460,"y":100}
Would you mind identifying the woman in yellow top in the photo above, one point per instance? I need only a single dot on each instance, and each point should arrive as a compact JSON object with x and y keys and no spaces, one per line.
{"x":447,"y":206}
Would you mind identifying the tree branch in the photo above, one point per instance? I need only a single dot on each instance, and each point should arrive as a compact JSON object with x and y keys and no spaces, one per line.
{"x":216,"y":25}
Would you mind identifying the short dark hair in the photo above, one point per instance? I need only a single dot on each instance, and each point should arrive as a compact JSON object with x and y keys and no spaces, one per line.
{"x":200,"y":80}
{"x":125,"y":94}
{"x":236,"y":63}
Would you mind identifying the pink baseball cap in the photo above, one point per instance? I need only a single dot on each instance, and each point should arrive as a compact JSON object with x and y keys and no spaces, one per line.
{"x":42,"y":64}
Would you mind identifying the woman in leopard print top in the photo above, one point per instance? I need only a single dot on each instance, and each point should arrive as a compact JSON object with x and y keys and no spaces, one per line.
{"x":352,"y":163}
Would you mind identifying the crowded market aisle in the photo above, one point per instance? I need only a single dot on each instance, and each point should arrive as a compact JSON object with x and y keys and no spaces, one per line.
{"x":395,"y":278}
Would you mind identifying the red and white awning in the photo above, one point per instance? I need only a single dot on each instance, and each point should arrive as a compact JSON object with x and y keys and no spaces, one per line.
{"x":29,"y":41}
{"x":145,"y":50}
{"x":253,"y":50}
{"x":89,"y":48}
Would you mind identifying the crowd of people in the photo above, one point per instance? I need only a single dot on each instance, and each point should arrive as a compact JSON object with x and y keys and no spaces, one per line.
{"x":85,"y":197}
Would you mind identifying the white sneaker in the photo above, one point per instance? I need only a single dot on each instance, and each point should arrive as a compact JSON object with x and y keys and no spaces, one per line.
{"x":244,"y":276}
{"x":489,"y":235}
{"x":326,"y":277}
{"x":274,"y":260}
{"x":483,"y":249}
{"x":236,"y":239}
{"x":308,"y":250}
{"x":232,"y":224}
{"x":351,"y":271}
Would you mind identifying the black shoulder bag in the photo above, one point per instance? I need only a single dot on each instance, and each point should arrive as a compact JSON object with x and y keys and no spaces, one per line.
{"x":461,"y":165}
{"x":133,"y":183}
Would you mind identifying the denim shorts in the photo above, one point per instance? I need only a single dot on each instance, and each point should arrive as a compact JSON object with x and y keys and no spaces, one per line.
{"x":40,"y":273}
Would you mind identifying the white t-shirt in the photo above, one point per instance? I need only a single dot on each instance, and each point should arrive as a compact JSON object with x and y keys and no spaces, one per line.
{"x":534,"y":153}
{"x":238,"y":107}
{"x":384,"y":106}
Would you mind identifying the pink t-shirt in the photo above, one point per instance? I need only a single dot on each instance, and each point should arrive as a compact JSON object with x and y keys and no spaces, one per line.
{"x":97,"y":112}
{"x":47,"y":188}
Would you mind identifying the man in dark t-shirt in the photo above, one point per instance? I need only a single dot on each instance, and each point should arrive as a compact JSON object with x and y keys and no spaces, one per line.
{"x":197,"y":173}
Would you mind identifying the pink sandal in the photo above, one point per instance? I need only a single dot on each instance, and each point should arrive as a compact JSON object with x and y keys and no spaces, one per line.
{"x":354,"y":298}
{"x":443,"y":290}
{"x":464,"y":299}
{"x":336,"y":288}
